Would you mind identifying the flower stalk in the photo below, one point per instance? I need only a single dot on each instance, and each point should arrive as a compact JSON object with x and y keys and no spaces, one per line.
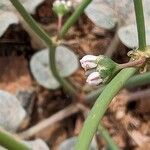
{"x":135,"y":63}
{"x":74,"y":17}
{"x":61,"y":8}
{"x":59,"y":23}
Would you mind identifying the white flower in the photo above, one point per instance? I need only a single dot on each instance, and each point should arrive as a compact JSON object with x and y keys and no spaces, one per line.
{"x":61,"y":7}
{"x":57,"y":3}
{"x":66,"y":4}
{"x":69,"y":4}
{"x":94,"y":79}
{"x":89,"y":62}
{"x":63,"y":2}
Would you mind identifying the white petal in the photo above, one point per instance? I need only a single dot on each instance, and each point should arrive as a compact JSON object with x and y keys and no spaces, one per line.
{"x":88,"y":65}
{"x":94,"y":79}
{"x":69,"y":4}
{"x":89,"y":57}
{"x":88,"y":62}
{"x":57,"y":3}
{"x":63,"y":2}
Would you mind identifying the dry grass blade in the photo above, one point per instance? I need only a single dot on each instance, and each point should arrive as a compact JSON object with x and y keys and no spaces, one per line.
{"x":68,"y":111}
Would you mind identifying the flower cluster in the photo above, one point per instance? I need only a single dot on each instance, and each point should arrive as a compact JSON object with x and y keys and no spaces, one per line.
{"x":99,"y":69}
{"x":61,"y":7}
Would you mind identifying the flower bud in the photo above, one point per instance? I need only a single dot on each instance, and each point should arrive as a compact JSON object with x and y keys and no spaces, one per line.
{"x":61,"y":7}
{"x":89,"y":62}
{"x":94,"y":79}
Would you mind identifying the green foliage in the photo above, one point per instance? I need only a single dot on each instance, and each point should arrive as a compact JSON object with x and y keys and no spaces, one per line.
{"x":70,"y":143}
{"x":11,"y":112}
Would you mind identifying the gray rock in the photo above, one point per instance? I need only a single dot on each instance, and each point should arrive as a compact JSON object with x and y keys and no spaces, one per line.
{"x":70,"y":143}
{"x":37,"y":144}
{"x":11,"y":111}
{"x":27,"y":98}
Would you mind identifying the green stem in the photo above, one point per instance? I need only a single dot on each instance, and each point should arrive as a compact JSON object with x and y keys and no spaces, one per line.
{"x":137,"y":80}
{"x":32,"y":23}
{"x":103,"y":101}
{"x":46,"y":38}
{"x":56,"y":74}
{"x":100,"y":106}
{"x":10,"y":142}
{"x":74,"y":17}
{"x":105,"y":135}
{"x":140,"y":23}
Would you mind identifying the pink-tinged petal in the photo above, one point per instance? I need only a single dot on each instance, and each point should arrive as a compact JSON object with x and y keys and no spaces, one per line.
{"x":88,"y":62}
{"x":94,"y":79}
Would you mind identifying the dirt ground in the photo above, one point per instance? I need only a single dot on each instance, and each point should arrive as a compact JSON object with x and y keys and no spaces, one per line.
{"x":127,"y":118}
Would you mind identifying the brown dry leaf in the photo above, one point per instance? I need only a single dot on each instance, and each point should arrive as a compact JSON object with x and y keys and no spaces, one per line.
{"x":14,"y":73}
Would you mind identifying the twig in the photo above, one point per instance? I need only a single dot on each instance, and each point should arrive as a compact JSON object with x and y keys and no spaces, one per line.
{"x":68,"y":111}
{"x":113,"y":45}
{"x":139,"y":94}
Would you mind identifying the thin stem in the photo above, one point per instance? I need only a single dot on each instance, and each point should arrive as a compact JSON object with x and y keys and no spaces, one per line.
{"x":53,"y":67}
{"x":46,"y":38}
{"x":134,"y":63}
{"x":105,"y":135}
{"x":32,"y":23}
{"x":103,"y":101}
{"x":138,"y":80}
{"x":74,"y":17}
{"x":60,"y":17}
{"x":10,"y":142}
{"x":138,"y":6}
